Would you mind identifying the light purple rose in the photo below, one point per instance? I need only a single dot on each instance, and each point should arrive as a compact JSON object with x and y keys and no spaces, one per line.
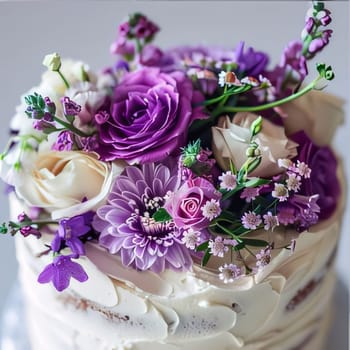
{"x":185,"y":205}
{"x":150,"y":116}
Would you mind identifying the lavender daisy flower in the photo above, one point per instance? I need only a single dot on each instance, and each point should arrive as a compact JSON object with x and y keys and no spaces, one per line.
{"x":126,"y":224}
{"x":251,"y":221}
{"x":61,"y":271}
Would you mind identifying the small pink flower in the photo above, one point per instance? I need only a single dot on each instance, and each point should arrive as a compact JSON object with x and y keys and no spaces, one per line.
{"x":232,"y":242}
{"x":251,"y":221}
{"x":211,"y":209}
{"x":250,"y":193}
{"x":293,"y":182}
{"x":228,"y":181}
{"x":270,"y":221}
{"x":217,"y":247}
{"x":230,"y":272}
{"x":303,"y":169}
{"x":191,"y":238}
{"x":280,"y":192}
{"x":263,"y":258}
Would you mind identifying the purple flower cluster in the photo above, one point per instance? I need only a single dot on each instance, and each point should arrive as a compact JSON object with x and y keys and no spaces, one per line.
{"x":127,"y":225}
{"x":178,"y":156}
{"x":137,"y":27}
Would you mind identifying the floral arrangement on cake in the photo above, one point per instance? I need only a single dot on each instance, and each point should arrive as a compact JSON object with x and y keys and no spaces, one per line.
{"x":172,"y":157}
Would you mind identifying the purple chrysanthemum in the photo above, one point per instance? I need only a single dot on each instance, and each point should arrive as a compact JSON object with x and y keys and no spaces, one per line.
{"x":127,"y":226}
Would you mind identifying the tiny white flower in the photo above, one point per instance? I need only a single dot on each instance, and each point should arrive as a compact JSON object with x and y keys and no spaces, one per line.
{"x":293,"y":182}
{"x":228,"y":181}
{"x":280,"y":192}
{"x":284,"y":163}
{"x":191,"y":238}
{"x":211,"y":209}
{"x":250,"y":81}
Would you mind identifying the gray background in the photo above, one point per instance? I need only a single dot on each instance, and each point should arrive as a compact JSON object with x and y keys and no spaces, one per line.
{"x":84,"y":30}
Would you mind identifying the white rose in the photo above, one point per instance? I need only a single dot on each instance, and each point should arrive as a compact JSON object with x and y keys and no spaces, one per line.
{"x":59,"y":181}
{"x":317,"y":113}
{"x":231,"y":140}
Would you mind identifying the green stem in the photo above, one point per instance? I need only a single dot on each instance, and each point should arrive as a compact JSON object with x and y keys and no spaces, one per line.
{"x":71,"y":127}
{"x":64,"y":79}
{"x":228,"y":232}
{"x":230,"y":109}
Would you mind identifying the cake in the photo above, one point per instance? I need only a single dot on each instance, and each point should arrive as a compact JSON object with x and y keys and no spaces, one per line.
{"x":178,"y":199}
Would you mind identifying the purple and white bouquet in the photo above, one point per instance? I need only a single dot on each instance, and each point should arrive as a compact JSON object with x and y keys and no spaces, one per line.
{"x":172,"y":157}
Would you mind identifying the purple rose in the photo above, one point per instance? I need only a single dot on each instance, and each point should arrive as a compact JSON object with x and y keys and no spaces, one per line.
{"x":150,"y":116}
{"x":186,"y":204}
{"x":323,"y":180}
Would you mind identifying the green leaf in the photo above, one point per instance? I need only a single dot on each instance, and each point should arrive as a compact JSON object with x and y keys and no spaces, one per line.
{"x":202,"y":247}
{"x":256,"y":182}
{"x":3,"y":229}
{"x":161,"y":215}
{"x":255,"y":242}
{"x":206,"y":257}
{"x":228,"y":194}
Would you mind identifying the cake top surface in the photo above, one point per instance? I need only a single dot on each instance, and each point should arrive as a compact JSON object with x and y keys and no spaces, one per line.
{"x":174,"y":159}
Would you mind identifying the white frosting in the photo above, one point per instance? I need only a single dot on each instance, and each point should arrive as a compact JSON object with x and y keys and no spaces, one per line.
{"x":121,"y":308}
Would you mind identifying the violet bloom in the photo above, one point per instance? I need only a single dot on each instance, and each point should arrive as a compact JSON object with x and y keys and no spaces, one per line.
{"x":319,"y":43}
{"x":302,"y":211}
{"x":29,"y":230}
{"x":70,"y":232}
{"x":70,"y":107}
{"x":249,"y":61}
{"x":293,"y":58}
{"x":149,"y":118}
{"x":126,"y":224}
{"x":187,"y":205}
{"x":61,"y":271}
{"x":64,"y":142}
{"x":323,"y":179}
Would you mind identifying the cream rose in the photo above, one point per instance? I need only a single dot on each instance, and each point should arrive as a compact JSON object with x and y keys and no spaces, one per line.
{"x":231,"y":140}
{"x":317,"y":113}
{"x":59,"y":181}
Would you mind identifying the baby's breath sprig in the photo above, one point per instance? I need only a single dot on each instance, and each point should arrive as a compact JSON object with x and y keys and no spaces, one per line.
{"x":325,"y":74}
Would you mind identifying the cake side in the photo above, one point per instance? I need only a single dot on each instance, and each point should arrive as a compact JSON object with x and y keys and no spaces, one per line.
{"x":194,"y":309}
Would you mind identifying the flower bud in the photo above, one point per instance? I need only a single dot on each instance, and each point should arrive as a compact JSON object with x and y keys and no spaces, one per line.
{"x":52,"y":62}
